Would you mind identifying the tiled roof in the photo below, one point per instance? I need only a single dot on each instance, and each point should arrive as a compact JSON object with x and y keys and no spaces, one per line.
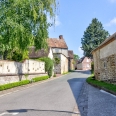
{"x":57,"y":43}
{"x":70,"y":54}
{"x":38,"y":53}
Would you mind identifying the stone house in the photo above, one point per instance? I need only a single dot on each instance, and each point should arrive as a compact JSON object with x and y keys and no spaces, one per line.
{"x":84,"y":64}
{"x":104,"y":57}
{"x":71,"y":60}
{"x":60,"y":50}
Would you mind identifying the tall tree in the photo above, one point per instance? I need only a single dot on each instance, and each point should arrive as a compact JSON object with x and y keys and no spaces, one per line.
{"x":23,"y":23}
{"x":94,"y":35}
{"x":76,"y":57}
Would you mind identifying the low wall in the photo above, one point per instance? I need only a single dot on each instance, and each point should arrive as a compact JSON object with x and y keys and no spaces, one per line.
{"x":11,"y":71}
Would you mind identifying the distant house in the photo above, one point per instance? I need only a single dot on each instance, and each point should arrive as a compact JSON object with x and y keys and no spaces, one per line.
{"x":40,"y":53}
{"x":84,"y":64}
{"x":60,"y":50}
{"x":104,"y":57}
{"x":71,"y":60}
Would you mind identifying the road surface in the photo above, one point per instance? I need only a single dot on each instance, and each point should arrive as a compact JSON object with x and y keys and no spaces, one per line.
{"x":57,"y":97}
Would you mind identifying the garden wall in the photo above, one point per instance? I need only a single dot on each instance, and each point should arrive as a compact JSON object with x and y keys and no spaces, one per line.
{"x":11,"y":71}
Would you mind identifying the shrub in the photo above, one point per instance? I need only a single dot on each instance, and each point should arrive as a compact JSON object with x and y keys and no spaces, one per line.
{"x":12,"y":85}
{"x":40,"y":78}
{"x":48,"y":65}
{"x":54,"y":75}
{"x":92,"y":67}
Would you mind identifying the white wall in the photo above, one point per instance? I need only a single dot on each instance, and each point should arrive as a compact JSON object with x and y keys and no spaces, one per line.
{"x":28,"y":66}
{"x":50,"y":55}
{"x":11,"y":71}
{"x":60,"y":50}
{"x":108,"y":50}
{"x":64,"y":64}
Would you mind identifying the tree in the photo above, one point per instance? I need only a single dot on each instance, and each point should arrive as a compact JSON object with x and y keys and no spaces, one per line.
{"x":24,"y":23}
{"x":76,"y":57}
{"x":94,"y":35}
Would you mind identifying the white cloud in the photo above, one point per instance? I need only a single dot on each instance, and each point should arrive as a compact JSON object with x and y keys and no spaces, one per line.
{"x":80,"y":51}
{"x":57,"y":21}
{"x":112,"y":22}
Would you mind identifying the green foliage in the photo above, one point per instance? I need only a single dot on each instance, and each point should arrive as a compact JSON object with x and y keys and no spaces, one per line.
{"x":26,"y":76}
{"x":101,"y":84}
{"x":65,"y":73}
{"x":56,"y":60}
{"x":15,"y":84}
{"x":54,"y":75}
{"x":92,"y":67}
{"x":94,"y":35}
{"x":17,"y":56}
{"x":24,"y":23}
{"x":76,"y":57}
{"x":48,"y":65}
{"x":36,"y":79}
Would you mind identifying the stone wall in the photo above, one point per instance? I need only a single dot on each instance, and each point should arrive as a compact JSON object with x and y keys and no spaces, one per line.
{"x":108,"y":68}
{"x":11,"y":71}
{"x":105,"y":63}
{"x":4,"y":79}
{"x":71,"y":64}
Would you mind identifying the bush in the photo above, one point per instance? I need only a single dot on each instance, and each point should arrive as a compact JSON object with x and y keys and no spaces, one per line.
{"x":92,"y":68}
{"x":40,"y":78}
{"x":54,"y":75}
{"x":48,"y":65}
{"x":12,"y":85}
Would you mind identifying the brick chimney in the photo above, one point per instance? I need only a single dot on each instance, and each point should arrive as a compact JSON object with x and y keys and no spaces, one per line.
{"x":60,"y":36}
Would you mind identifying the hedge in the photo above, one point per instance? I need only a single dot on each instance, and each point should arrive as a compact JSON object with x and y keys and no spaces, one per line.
{"x":12,"y":85}
{"x":40,"y":78}
{"x":24,"y":82}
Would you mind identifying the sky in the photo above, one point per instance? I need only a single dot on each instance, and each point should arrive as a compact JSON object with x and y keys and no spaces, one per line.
{"x":74,"y":17}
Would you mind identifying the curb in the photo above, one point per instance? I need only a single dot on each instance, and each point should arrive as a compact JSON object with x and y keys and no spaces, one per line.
{"x":109,"y":91}
{"x":23,"y":87}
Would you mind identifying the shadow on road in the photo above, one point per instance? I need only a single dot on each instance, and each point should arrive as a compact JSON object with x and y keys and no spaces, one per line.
{"x":77,"y":85}
{"x":27,"y":110}
{"x":81,"y":71}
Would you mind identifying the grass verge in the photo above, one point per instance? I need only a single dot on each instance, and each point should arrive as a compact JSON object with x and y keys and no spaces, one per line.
{"x":102,"y":85}
{"x":23,"y":82}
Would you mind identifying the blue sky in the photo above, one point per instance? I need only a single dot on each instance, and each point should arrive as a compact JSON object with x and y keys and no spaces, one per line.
{"x":75,"y":16}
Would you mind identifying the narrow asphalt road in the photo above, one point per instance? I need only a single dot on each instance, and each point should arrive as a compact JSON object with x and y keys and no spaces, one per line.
{"x":53,"y":98}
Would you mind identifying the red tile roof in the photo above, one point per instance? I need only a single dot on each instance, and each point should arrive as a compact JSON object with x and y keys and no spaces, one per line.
{"x":57,"y":43}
